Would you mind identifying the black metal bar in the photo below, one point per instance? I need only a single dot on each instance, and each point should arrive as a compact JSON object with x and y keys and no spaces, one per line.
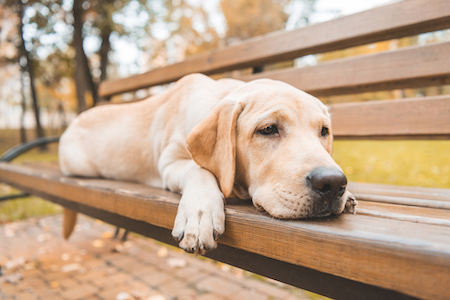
{"x":116,"y":234}
{"x":17,"y":196}
{"x":302,"y":277}
{"x":258,"y":69}
{"x":24,"y":147}
{"x":125,"y":234}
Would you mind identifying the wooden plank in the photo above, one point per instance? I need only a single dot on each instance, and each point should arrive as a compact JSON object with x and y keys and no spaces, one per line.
{"x":378,"y":251}
{"x":400,"y":191}
{"x":305,"y":278}
{"x":405,"y":213}
{"x":418,"y":117}
{"x":396,"y":20}
{"x":416,"y":66}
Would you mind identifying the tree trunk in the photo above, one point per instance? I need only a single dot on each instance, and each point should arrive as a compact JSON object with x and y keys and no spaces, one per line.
{"x":80,"y":73}
{"x":29,"y":68}
{"x":23,"y":133}
{"x":89,"y":79}
{"x":104,"y":51}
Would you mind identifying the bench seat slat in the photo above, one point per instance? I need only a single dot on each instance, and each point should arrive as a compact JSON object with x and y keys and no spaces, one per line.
{"x":405,"y":212}
{"x":379,"y":251}
{"x":410,"y":67}
{"x":387,"y":22}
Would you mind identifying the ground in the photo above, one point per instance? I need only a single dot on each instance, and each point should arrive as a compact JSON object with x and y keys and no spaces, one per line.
{"x":38,"y":264}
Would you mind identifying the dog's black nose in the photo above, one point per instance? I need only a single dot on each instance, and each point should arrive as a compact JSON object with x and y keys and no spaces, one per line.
{"x":330,"y":183}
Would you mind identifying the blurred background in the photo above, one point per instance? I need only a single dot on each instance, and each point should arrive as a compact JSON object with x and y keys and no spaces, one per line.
{"x":54,"y":54}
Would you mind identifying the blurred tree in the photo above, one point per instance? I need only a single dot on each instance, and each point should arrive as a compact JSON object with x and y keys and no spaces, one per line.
{"x":28,"y":65}
{"x":83,"y":75}
{"x":95,"y":18}
{"x":26,"y":61}
{"x":260,"y":17}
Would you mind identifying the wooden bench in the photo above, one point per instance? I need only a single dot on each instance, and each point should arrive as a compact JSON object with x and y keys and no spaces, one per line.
{"x":397,"y":246}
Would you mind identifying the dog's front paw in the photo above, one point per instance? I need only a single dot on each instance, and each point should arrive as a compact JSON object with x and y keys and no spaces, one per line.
{"x":350,"y":204}
{"x":197,"y":227}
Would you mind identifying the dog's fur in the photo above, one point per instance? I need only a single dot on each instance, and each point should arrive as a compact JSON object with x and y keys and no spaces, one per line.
{"x":202,"y":138}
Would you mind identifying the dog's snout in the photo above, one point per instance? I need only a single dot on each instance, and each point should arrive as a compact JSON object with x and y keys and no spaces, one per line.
{"x":330,"y":183}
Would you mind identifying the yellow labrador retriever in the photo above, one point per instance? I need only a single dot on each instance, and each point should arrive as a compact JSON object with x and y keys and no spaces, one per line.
{"x":209,"y":140}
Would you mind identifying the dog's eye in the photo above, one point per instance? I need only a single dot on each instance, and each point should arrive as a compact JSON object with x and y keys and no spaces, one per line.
{"x":272,"y":129}
{"x":324,"y":131}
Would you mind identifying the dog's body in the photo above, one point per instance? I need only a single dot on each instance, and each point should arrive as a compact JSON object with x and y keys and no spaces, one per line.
{"x":208,"y":140}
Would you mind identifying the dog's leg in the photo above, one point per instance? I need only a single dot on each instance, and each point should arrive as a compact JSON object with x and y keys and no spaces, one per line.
{"x":200,"y":218}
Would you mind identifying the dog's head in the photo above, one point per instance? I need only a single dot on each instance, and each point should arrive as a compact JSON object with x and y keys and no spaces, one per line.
{"x":272,"y":142}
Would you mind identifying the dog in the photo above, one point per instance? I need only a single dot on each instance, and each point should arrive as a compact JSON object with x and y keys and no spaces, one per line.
{"x":214,"y":139}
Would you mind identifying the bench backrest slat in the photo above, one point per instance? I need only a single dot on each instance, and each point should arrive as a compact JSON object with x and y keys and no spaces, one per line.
{"x":397,"y":20}
{"x":422,"y":118}
{"x":405,"y":68}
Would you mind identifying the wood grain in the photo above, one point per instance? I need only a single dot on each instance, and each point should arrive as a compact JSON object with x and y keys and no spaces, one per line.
{"x":379,"y":251}
{"x":437,"y":216}
{"x":426,"y":117}
{"x":400,"y":191}
{"x":396,"y":20}
{"x":298,"y":276}
{"x":415,"y":66}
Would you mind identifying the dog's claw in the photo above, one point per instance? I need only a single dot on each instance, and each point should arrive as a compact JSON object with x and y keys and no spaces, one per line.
{"x":178,"y":238}
{"x":216,"y":235}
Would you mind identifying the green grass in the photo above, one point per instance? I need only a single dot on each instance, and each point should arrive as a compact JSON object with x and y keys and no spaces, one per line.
{"x":19,"y":209}
{"x":414,"y":163}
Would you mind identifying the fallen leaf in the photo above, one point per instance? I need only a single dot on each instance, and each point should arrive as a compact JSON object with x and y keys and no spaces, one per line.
{"x":176,"y":262}
{"x":14,"y":278}
{"x":43,"y":237}
{"x":239,"y":273}
{"x":9,"y":231}
{"x":83,"y":252}
{"x":107,"y":234}
{"x":128,"y":244}
{"x":65,"y":256}
{"x":29,"y":266}
{"x":118,"y":248}
{"x":14,"y":263}
{"x":225,"y":267}
{"x":162,"y":252}
{"x":156,"y":297}
{"x":70,"y":267}
{"x":43,"y":250}
{"x":54,"y":268}
{"x":123,"y":296}
{"x":98,"y":243}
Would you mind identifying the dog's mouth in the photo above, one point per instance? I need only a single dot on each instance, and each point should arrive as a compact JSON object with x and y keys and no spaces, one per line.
{"x":324,"y":213}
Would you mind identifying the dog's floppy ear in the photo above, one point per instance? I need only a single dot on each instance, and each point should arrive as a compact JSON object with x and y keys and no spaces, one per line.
{"x":212,"y":143}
